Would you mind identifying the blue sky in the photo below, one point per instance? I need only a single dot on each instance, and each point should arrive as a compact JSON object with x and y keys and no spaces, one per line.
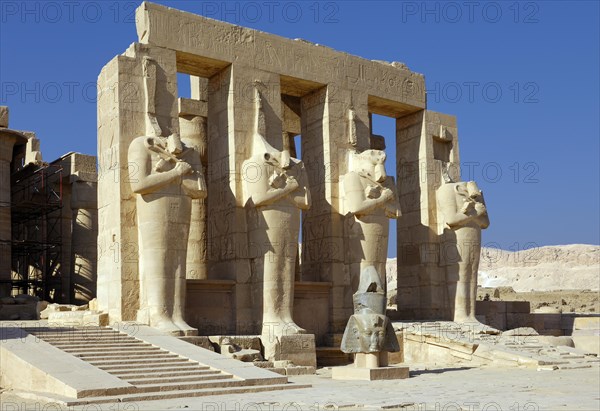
{"x":522,"y":78}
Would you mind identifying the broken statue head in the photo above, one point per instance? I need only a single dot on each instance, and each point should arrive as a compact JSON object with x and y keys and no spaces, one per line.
{"x":369,"y":330}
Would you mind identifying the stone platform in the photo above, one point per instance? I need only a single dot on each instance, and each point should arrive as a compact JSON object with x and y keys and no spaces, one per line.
{"x":431,"y":387}
{"x":94,"y":365}
{"x":448,"y":342}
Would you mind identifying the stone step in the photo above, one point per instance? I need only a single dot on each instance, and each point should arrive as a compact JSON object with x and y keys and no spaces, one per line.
{"x":182,"y":394}
{"x":159,"y":370}
{"x":80,"y":334}
{"x":114,"y":350}
{"x":102,"y":345}
{"x":185,"y":379}
{"x":143,"y":364}
{"x":108,"y":347}
{"x":96,"y":330}
{"x":116,"y":354}
{"x":86,"y":337}
{"x":94,"y":359}
{"x":164,"y":374}
{"x":187,"y":386}
{"x":67,"y":340}
{"x":47,"y":330}
{"x":64,"y":331}
{"x":138,"y":362}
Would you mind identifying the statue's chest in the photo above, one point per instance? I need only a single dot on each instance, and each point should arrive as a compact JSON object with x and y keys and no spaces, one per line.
{"x":159,"y":164}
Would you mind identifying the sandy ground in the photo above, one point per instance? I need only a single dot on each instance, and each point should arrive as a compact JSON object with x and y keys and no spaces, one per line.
{"x":457,"y":387}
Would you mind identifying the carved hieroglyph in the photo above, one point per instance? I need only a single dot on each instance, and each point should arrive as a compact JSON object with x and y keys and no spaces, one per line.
{"x":276,"y":189}
{"x":369,"y":331}
{"x":463,"y":214}
{"x":371,"y":199}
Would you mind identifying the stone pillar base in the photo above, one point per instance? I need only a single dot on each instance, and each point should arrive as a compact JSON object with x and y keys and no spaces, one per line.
{"x":351,"y":372}
{"x":298,"y":349}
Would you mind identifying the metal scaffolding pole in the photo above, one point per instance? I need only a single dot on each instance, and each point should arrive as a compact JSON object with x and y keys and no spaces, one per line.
{"x":36,"y":203}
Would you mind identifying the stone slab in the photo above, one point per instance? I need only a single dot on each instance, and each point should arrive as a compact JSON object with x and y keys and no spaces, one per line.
{"x":78,"y":318}
{"x":586,"y":323}
{"x":560,"y":341}
{"x":300,"y":370}
{"x":588,"y":343}
{"x":521,"y":331}
{"x":369,"y":374}
{"x":298,"y":349}
{"x":191,"y":107}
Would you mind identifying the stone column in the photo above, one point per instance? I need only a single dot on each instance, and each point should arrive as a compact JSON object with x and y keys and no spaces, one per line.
{"x":122,"y":116}
{"x":230,"y":119}
{"x":192,"y":124}
{"x":328,"y":138}
{"x":83,"y":240}
{"x":426,"y":143}
{"x":8,"y":139}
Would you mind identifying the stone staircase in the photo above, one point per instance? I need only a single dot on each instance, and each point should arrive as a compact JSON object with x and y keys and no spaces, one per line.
{"x":149,"y":371}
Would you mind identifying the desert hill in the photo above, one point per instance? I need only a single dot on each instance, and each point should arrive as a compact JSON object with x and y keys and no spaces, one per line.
{"x":542,"y":269}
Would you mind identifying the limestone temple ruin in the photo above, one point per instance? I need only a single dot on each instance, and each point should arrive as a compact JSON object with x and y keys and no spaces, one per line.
{"x":189,"y":228}
{"x":251,"y":94}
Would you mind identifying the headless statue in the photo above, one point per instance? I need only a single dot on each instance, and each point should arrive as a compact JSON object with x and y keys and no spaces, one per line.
{"x":370,"y":195}
{"x":169,"y":176}
{"x":276,"y":187}
{"x":464,"y":215}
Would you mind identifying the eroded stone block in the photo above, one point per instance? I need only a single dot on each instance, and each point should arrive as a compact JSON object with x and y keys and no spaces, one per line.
{"x":298,"y":349}
{"x":369,"y":374}
{"x":3,"y":116}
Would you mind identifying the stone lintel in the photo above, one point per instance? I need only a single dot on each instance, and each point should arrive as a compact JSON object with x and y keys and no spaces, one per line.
{"x":191,"y":107}
{"x":205,"y":47}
